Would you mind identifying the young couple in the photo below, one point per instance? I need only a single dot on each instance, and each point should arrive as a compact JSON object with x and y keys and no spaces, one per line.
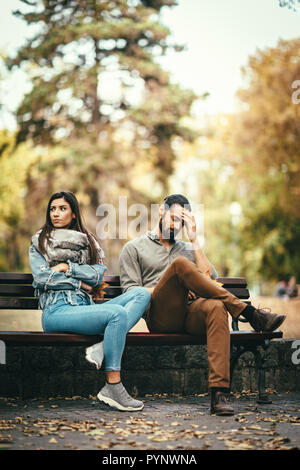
{"x":169,"y":280}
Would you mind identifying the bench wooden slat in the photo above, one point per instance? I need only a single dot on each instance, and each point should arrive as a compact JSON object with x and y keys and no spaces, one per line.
{"x":26,"y":304}
{"x":241,"y":293}
{"x":37,"y":337}
{"x":16,"y":278}
{"x":16,"y":290}
{"x":11,"y":290}
{"x":18,"y":304}
{"x":113,"y":280}
{"x":233,"y":281}
{"x":110,"y":292}
{"x":27,"y":278}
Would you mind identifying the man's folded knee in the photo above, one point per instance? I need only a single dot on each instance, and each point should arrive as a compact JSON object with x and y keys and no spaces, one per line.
{"x":181,"y":261}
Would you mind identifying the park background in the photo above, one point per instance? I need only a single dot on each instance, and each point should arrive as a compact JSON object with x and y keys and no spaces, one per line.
{"x":143,"y":98}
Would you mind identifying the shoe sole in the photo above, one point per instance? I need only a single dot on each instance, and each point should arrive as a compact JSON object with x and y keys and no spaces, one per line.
{"x":90,"y":359}
{"x":222,"y":413}
{"x":115,"y":404}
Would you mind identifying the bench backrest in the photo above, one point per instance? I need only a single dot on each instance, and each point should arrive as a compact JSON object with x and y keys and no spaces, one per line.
{"x":16,"y":291}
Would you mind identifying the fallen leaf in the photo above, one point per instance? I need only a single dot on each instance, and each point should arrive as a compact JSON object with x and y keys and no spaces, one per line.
{"x":5,"y":439}
{"x":52,"y":440}
{"x":95,"y":432}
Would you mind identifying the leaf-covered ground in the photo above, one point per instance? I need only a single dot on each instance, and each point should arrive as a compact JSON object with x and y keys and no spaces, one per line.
{"x":168,"y":422}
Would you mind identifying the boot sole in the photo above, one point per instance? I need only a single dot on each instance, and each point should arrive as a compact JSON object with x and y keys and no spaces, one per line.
{"x":222,"y":413}
{"x":115,"y":404}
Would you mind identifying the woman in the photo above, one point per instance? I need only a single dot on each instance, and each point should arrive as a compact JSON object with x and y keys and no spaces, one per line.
{"x":67,"y":268}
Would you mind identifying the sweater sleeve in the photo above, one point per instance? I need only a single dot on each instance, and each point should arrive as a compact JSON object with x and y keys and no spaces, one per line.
{"x":130,"y":271}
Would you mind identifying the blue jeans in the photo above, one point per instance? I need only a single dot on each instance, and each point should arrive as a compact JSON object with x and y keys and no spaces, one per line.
{"x":113,"y":318}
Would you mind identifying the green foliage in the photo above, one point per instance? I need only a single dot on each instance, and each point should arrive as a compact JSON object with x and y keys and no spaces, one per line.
{"x":266,"y":138}
{"x":81,"y":45}
{"x":205,"y":174}
{"x":291,"y":4}
{"x":101,"y":114}
{"x":72,"y":134}
{"x":15,"y":165}
{"x":253,"y":157}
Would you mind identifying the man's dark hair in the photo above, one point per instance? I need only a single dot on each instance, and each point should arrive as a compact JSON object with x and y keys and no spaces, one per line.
{"x":177,"y":199}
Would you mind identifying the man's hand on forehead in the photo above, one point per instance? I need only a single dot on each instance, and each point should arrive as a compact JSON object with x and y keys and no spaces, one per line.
{"x":190,"y":224}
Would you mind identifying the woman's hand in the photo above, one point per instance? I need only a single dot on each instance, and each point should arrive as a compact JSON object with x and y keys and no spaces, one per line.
{"x":86,"y":287}
{"x":61,"y":267}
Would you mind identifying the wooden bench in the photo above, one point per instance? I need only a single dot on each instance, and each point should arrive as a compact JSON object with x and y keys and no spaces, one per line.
{"x":16,"y":292}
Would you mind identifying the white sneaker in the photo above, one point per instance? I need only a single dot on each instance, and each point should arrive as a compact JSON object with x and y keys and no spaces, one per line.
{"x":95,"y":354}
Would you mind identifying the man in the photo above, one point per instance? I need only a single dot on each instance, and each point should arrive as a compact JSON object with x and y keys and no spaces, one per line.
{"x":185,"y":296}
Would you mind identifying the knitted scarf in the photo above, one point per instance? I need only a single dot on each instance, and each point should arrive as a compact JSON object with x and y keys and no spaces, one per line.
{"x":64,"y":245}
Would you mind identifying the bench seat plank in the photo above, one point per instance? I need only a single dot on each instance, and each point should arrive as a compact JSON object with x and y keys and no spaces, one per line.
{"x":27,"y":278}
{"x":18,"y":291}
{"x":39,"y":337}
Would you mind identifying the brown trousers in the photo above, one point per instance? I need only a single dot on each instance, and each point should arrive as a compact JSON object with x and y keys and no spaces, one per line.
{"x":170,"y":312}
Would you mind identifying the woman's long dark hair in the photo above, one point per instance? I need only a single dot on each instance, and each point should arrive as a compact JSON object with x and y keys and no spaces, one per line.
{"x":76,"y":224}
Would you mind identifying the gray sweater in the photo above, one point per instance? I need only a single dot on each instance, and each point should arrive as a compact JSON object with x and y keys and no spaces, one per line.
{"x":144,"y":260}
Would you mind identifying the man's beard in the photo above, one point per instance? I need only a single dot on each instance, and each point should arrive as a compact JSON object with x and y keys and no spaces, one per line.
{"x":168,"y":234}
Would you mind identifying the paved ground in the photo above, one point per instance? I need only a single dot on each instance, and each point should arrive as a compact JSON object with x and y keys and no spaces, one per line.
{"x":167,"y":422}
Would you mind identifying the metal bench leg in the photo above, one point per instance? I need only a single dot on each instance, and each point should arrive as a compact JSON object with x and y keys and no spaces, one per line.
{"x":235,"y":353}
{"x":263,"y":396}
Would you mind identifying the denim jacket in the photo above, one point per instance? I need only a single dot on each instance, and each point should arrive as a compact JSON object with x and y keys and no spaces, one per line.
{"x":51,"y":285}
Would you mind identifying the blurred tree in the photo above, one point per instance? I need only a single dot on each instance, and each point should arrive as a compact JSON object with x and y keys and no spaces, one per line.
{"x":15,"y":220}
{"x":102,"y":108}
{"x":204,"y":173}
{"x":265,"y":136}
{"x":291,"y":4}
{"x":93,"y":68}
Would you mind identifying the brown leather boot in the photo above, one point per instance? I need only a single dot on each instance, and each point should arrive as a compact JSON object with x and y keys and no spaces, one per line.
{"x":219,"y":403}
{"x":265,"y":321}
